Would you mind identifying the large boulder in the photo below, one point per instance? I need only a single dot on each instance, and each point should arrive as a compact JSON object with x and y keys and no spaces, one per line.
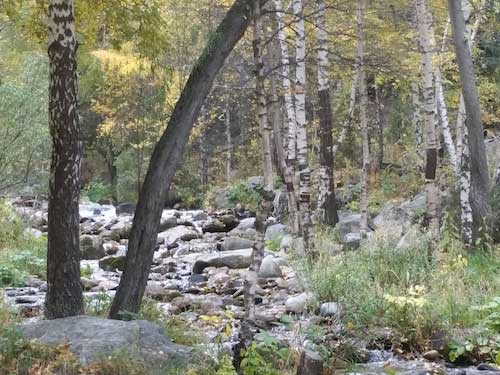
{"x":275,"y":232}
{"x":401,"y":216}
{"x":179,"y":233}
{"x":235,"y":243}
{"x":270,"y":268}
{"x":235,"y":259}
{"x":91,"y":339}
{"x":121,"y":229}
{"x":125,"y":208}
{"x":113,"y":262}
{"x":91,"y":247}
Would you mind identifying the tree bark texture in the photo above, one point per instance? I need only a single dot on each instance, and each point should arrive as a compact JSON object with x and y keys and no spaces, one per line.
{"x":327,"y":209}
{"x":363,"y":104}
{"x":480,"y":181}
{"x":64,"y":289}
{"x":424,"y":22}
{"x":264,"y":125}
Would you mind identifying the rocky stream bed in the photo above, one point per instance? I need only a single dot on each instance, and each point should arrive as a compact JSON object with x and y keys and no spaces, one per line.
{"x":197,"y":276}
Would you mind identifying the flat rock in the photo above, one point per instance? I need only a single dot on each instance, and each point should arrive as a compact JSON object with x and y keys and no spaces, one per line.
{"x":235,"y":243}
{"x":232,"y":259}
{"x":90,"y":338}
{"x":179,"y":233}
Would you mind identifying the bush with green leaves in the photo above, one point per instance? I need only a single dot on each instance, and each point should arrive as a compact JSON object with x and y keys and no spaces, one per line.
{"x":265,"y":356}
{"x":97,"y":191}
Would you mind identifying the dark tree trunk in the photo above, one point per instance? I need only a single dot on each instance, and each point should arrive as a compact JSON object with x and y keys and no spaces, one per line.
{"x":326,"y":156}
{"x":64,"y":289}
{"x":480,"y":181}
{"x":113,"y":178}
{"x":167,"y":155}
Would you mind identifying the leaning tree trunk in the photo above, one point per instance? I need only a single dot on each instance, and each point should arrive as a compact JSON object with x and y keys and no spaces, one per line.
{"x":363,"y":97}
{"x":291,"y":137}
{"x":300,"y":115}
{"x":264,"y":126}
{"x":167,"y":154}
{"x":64,"y":288}
{"x":327,"y":207}
{"x":432,"y":192}
{"x":480,"y":180}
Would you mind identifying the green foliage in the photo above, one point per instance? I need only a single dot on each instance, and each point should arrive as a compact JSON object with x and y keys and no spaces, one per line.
{"x":265,"y":356}
{"x":243,"y":194}
{"x":274,"y":244}
{"x":20,"y":254}
{"x":98,"y":304}
{"x":11,"y":226}
{"x":97,"y":191}
{"x":407,"y":288}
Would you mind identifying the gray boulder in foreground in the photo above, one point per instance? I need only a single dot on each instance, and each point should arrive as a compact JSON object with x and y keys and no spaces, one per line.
{"x":91,"y":338}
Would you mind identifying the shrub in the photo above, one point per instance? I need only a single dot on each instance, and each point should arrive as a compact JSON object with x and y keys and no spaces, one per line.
{"x":11,"y":227}
{"x":98,"y":191}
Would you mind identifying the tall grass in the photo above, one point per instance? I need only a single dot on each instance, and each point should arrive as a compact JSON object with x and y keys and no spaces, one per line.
{"x":409,"y":288}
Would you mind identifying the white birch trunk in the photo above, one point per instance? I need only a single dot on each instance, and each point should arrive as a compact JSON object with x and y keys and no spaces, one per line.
{"x":363,"y":97}
{"x":442,"y":110}
{"x":464,"y":172}
{"x":417,"y":119}
{"x":291,"y":133}
{"x":300,"y":114}
{"x":265,"y":128}
{"x":432,"y":192}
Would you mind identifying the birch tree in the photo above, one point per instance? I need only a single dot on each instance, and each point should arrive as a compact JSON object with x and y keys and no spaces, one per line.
{"x":363,"y":104}
{"x":480,"y":181}
{"x":326,"y":199}
{"x":264,"y":126}
{"x":424,"y":22}
{"x":300,"y":115}
{"x":291,"y":143}
{"x":64,"y":289}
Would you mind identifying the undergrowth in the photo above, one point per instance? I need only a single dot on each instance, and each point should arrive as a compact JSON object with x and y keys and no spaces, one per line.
{"x":405,"y":286}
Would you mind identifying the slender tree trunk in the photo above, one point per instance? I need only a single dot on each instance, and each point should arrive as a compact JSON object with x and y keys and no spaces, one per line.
{"x":64,"y":288}
{"x":229,"y":142}
{"x":327,"y":207}
{"x":113,"y":177}
{"x":442,"y":110}
{"x":381,"y":122}
{"x":431,"y":141}
{"x":204,"y":155}
{"x":166,"y":156}
{"x":274,"y":108}
{"x":480,"y":181}
{"x":250,"y":285}
{"x":300,"y":114}
{"x":291,"y":137}
{"x":350,"y":114}
{"x":363,"y":97}
{"x":265,"y":129}
{"x":417,"y":120}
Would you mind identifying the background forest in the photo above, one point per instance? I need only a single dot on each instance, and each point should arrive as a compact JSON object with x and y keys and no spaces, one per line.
{"x":335,"y":209}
